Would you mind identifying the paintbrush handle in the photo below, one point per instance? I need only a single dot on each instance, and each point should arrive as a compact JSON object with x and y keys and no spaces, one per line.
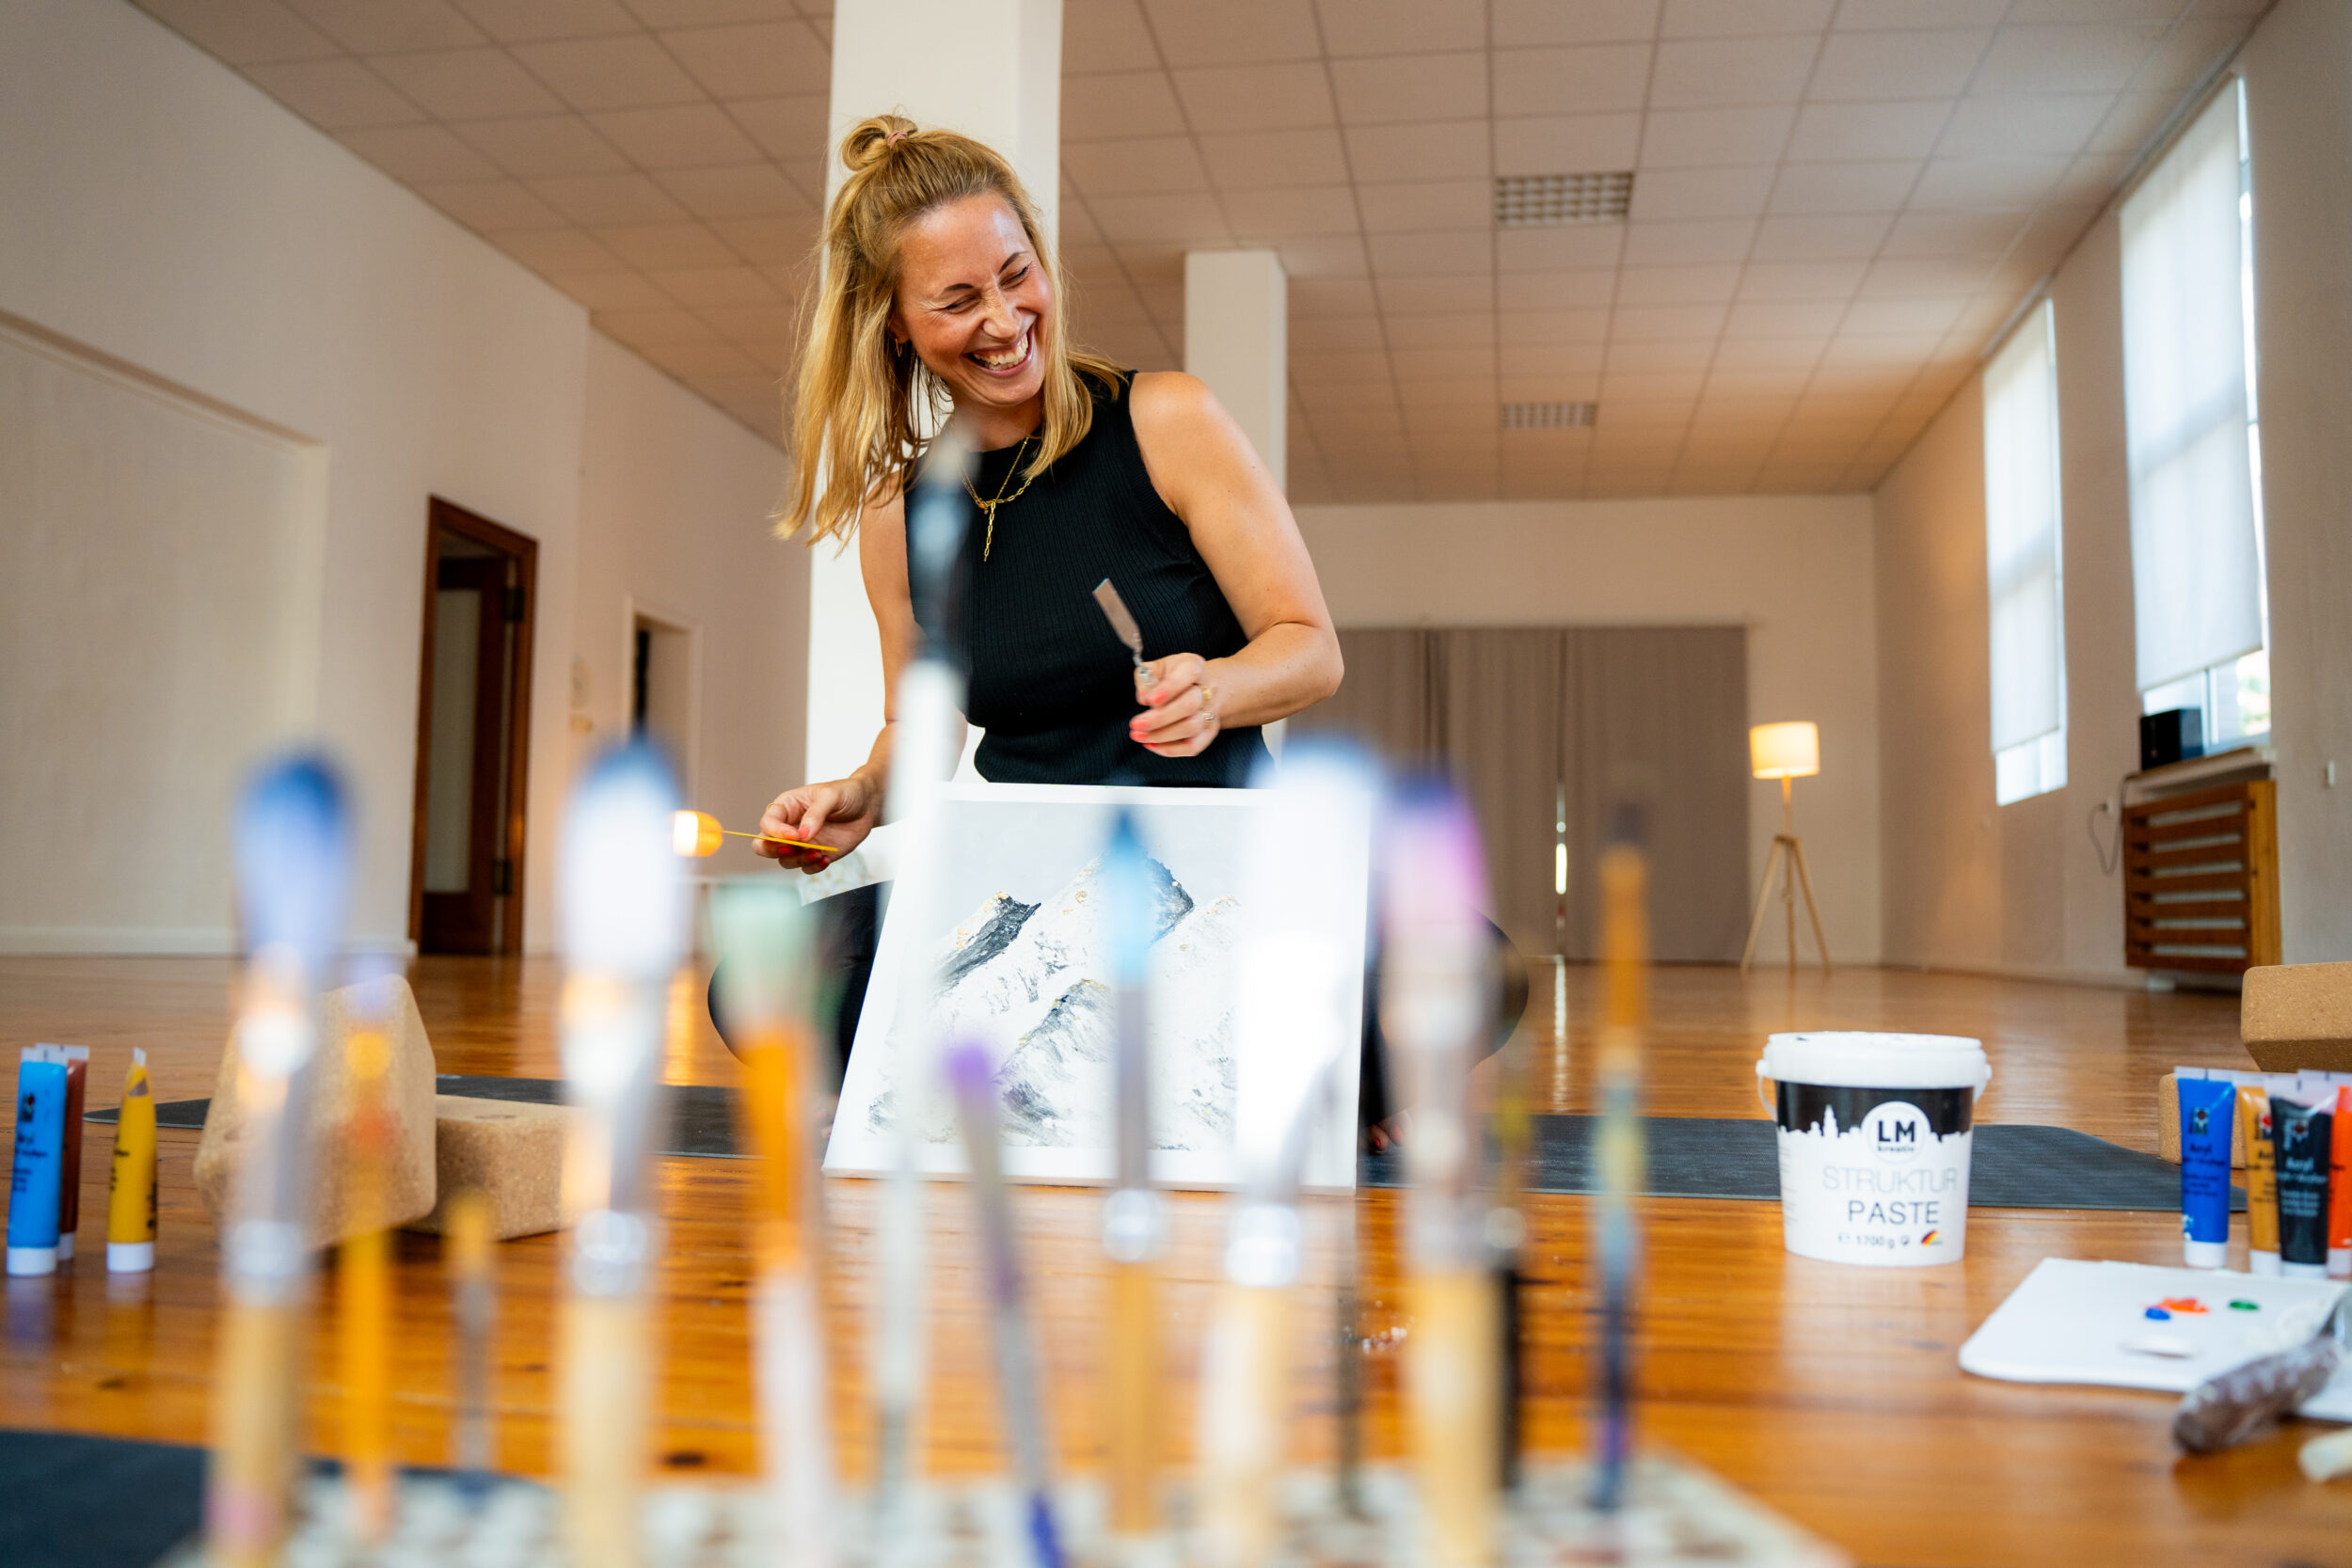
{"x":1132,"y":1384}
{"x":604,"y":1410}
{"x":1449,"y":1387}
{"x":1244,"y":1434}
{"x":793,"y":1406}
{"x":256,"y":1409}
{"x":795,"y":842}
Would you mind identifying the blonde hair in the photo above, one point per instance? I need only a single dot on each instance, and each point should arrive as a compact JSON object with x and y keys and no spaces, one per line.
{"x":854,"y":422}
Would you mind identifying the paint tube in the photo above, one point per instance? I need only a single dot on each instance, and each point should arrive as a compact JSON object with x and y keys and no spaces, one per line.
{"x":2340,"y":1187}
{"x":2205,"y":1117}
{"x":2300,"y":1152}
{"x":39,"y":1160}
{"x":2262,"y":1186}
{"x":130,"y":1186}
{"x":70,"y":1178}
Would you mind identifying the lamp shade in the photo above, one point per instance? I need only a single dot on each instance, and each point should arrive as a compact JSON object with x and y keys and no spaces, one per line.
{"x":1790,"y":751}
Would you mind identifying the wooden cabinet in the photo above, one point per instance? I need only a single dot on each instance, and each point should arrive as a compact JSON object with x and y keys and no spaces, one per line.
{"x":2201,"y":877}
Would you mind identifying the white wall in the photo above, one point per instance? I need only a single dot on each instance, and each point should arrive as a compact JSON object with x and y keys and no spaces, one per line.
{"x":1795,"y":570}
{"x":161,"y":211}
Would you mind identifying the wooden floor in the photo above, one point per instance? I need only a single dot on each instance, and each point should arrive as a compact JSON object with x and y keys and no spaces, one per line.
{"x":1833,"y":1393}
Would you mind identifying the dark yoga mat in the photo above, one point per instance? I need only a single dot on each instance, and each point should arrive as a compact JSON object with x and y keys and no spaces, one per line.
{"x":2014,"y":1166}
{"x":71,"y":1502}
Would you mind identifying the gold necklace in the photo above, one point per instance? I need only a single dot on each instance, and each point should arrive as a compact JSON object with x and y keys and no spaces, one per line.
{"x":988,"y":541}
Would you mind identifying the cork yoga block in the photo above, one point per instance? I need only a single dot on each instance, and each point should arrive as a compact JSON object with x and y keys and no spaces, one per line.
{"x":409,"y":1181}
{"x":512,"y":1154}
{"x":2296,"y":1018}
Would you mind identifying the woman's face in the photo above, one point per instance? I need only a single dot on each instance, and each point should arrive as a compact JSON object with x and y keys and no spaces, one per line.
{"x":971,"y":300}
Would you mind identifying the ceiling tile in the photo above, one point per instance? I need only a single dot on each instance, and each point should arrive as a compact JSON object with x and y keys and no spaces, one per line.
{"x":1440,"y":330}
{"x":1144,"y":167}
{"x":1105,"y":35}
{"x":611,"y":291}
{"x":626,"y":72}
{"x":1706,"y":139}
{"x":536,"y":146}
{"x":389,"y":26}
{"x":2066,"y":59}
{"x":1954,"y":234}
{"x":1467,"y":362}
{"x":663,"y":14}
{"x":419,"y":154}
{"x":1681,"y":243}
{"x":1566,"y":144}
{"x":775,"y":243}
{"x":1862,"y":187}
{"x":2023,"y":127}
{"x":1786,"y":353}
{"x":1233,"y":32}
{"x":1822,"y":237}
{"x":467,"y":84}
{"x":551,"y":251}
{"x":1986,"y":182}
{"x":755,"y":62}
{"x":1706,"y":19}
{"x":1665,"y":320}
{"x":1321,"y":333}
{"x":1585,"y":287}
{"x":334,"y":95}
{"x":1519,"y":23}
{"x":529,"y":20}
{"x":597,"y":200}
{"x":1899,"y":277}
{"x":1119,"y":104}
{"x":666,"y":246}
{"x":2133,"y":123}
{"x":1319,"y":370}
{"x":1575,"y":244}
{"x":2188,"y":53}
{"x":1431,"y":204}
{"x":1684,"y":356}
{"x":1816,"y":280}
{"x":1897,"y":65}
{"x":1401,"y":26}
{"x":1832,"y":133}
{"x":1678,"y":285}
{"x":1667,"y":193}
{"x":1258,"y":160}
{"x":1256,"y":98}
{"x":1436,"y":150}
{"x":1720,"y":72}
{"x":677,"y":135}
{"x":1912,"y":317}
{"x":737,"y":191}
{"x":647,"y":330}
{"x":242,"y":32}
{"x":491,"y":206}
{"x":1296,"y":213}
{"x":1583,"y":80}
{"x":1446,"y":252}
{"x":1398,"y":87}
{"x":1433,"y":295}
{"x":1871,"y":15}
{"x":701,"y":288}
{"x":1188,"y":217}
{"x":2093,"y":178}
{"x":1550,"y":328}
{"x":1782,"y":322}
{"x":792,"y":129}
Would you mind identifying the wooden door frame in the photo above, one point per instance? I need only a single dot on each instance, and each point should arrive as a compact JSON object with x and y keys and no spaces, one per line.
{"x":524,"y":549}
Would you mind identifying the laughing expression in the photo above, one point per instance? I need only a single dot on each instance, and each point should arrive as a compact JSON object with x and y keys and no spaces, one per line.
{"x":972,"y":300}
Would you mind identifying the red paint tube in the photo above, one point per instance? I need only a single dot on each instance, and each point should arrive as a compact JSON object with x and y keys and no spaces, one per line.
{"x":2339,"y":1188}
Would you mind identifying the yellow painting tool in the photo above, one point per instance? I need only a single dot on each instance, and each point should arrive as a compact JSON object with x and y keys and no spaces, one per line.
{"x":697,"y":836}
{"x":131,"y":1187}
{"x":364,"y":1292}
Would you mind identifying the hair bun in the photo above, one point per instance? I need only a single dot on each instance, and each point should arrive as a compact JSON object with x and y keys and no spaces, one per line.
{"x":870,"y":139}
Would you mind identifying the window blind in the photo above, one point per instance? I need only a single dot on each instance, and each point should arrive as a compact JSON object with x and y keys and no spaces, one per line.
{"x":2195,"y":559}
{"x":2021,"y":536}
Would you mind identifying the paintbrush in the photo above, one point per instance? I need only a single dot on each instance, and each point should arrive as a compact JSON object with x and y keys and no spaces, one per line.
{"x":1134,"y":1223}
{"x":473,"y":1304}
{"x":363,"y":1285}
{"x":763,"y":940}
{"x":293,"y":867}
{"x":1625,"y":956}
{"x":973,"y":1077}
{"x":1302,"y":892}
{"x":1506,"y":1233}
{"x":1435,"y":1005}
{"x":697,"y":836}
{"x":1122,"y":622}
{"x":926,"y":740}
{"x":622,"y":905}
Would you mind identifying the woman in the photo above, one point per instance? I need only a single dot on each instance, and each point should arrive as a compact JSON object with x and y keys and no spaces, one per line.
{"x":941,"y":295}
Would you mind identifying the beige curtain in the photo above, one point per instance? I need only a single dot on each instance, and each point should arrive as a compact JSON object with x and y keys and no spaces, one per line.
{"x":1535,"y":721}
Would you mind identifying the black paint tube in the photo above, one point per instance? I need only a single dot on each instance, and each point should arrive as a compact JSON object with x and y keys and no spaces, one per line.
{"x":2300,"y":1139}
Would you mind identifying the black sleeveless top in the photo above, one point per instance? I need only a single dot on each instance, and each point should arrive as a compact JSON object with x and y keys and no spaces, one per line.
{"x":1051,"y":683}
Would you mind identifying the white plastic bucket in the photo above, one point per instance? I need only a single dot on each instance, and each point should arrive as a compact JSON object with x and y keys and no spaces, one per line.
{"x":1875,"y":1136}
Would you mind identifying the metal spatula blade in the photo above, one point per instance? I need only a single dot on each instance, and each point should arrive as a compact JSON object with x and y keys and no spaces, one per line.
{"x":1123,"y":623}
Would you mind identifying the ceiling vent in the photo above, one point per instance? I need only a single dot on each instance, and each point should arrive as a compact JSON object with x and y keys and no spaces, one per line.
{"x":1549,"y":416}
{"x":1535,"y":200}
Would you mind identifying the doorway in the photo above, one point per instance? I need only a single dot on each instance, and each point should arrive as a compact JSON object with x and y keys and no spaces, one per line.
{"x":664,"y":686}
{"x":474,"y":728}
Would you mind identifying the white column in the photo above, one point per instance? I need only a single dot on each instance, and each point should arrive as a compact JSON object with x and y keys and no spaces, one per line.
{"x":1237,"y":340}
{"x":990,"y":69}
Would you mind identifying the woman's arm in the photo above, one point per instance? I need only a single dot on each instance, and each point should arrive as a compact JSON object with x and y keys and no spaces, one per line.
{"x":1209,"y":475}
{"x":843,"y":811}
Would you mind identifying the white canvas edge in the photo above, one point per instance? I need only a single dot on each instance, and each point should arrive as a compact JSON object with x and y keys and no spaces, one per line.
{"x":1330,"y":1164}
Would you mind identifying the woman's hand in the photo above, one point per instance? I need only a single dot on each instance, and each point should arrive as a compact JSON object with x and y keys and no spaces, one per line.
{"x":840,"y":812}
{"x":1180,"y":712}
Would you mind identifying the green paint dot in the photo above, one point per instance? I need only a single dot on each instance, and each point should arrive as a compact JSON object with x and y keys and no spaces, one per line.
{"x":2246,"y":1307}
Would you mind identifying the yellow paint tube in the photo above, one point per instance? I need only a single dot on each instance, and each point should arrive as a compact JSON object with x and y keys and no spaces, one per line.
{"x":131,"y":1188}
{"x":2262,"y":1179}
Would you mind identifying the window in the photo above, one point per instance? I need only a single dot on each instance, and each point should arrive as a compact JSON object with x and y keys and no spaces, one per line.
{"x":2192,"y":431}
{"x":2024,"y":562}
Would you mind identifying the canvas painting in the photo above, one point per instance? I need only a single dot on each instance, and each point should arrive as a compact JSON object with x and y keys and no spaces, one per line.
{"x":1013,"y":923}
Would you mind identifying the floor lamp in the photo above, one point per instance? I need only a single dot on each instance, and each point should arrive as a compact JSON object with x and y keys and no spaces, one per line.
{"x":1786,"y":752}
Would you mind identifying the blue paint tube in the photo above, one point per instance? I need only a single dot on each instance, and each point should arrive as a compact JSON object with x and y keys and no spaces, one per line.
{"x":2208,"y":1109}
{"x":39,"y":1165}
{"x":2302,"y":1139}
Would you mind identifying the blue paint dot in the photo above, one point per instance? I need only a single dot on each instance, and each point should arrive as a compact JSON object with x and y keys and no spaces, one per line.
{"x":2159,"y":1314}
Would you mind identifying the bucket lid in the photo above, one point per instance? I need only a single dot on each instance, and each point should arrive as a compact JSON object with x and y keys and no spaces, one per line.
{"x":1867,"y":1061}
